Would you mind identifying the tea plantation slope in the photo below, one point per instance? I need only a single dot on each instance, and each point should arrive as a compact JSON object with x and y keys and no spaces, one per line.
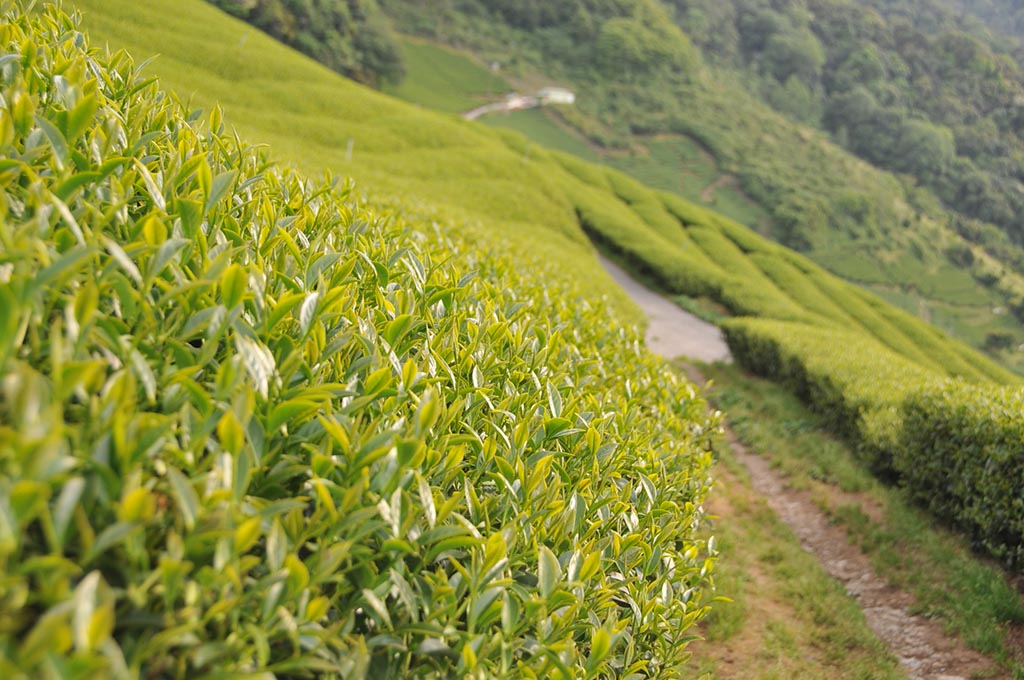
{"x":955,"y":446}
{"x":528,"y":201}
{"x":882,"y":376}
{"x":442,"y":167}
{"x":251,"y":427}
{"x":709,"y":255}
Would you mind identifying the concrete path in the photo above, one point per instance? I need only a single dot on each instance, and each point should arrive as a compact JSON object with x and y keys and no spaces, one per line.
{"x":672,"y":331}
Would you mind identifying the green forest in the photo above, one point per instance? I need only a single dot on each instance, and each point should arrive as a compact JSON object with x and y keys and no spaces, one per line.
{"x":352,"y":37}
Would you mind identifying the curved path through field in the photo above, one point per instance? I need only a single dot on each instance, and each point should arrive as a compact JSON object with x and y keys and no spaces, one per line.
{"x":921,"y":645}
{"x":672,"y":331}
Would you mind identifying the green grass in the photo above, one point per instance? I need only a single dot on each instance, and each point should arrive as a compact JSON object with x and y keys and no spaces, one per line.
{"x":788,"y":618}
{"x":443,"y":79}
{"x":540,"y":128}
{"x":973,"y":599}
{"x":678,"y":164}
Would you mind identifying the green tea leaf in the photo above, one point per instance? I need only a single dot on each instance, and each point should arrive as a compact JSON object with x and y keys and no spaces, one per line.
{"x":68,"y":187}
{"x":396,"y":328}
{"x":378,"y":606}
{"x":549,"y":572}
{"x":219,"y":188}
{"x":377,"y":381}
{"x":71,"y":262}
{"x":122,"y":259}
{"x":56,"y":139}
{"x":233,"y":284}
{"x":307,"y":313}
{"x":289,"y":410}
{"x":81,"y":117}
{"x":259,"y":362}
{"x":151,"y":186}
{"x":185,"y":495}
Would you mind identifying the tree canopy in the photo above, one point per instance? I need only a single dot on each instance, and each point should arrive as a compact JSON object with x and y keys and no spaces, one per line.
{"x":349,"y":36}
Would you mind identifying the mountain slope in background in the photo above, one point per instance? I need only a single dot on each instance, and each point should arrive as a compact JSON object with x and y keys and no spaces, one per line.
{"x":524,"y":199}
{"x":890,"y":232}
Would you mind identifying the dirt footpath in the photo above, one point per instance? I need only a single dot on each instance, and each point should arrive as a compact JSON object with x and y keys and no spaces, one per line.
{"x":921,"y":645}
{"x":924,"y":650}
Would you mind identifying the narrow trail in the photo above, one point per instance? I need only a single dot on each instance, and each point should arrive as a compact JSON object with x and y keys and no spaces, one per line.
{"x":924,"y":650}
{"x":708,"y":195}
{"x":672,"y":331}
{"x":922,"y":647}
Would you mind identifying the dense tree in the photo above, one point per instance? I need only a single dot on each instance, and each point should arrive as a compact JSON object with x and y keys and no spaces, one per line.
{"x":629,"y":46}
{"x":757,"y":26}
{"x":863,"y":67}
{"x":795,"y":99}
{"x":910,"y":85}
{"x":796,"y":54}
{"x":350,"y":36}
{"x":923,"y":149}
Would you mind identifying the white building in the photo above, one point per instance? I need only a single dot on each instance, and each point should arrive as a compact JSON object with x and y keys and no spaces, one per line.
{"x":556,"y":95}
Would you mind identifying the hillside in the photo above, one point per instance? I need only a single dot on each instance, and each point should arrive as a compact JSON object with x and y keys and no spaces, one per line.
{"x":253,"y":426}
{"x":887,"y":231}
{"x":834,"y":341}
{"x":391,"y":424}
{"x":522,"y":200}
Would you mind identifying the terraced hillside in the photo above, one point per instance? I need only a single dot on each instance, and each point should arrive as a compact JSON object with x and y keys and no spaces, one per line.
{"x":544,"y":202}
{"x":510,"y":195}
{"x":737,"y":140}
{"x":329,"y":317}
{"x":253,"y":426}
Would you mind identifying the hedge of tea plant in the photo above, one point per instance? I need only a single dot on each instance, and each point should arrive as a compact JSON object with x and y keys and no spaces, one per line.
{"x":855,"y":382}
{"x":250,"y":428}
{"x":957,"y":447}
{"x":689,"y":250}
{"x":879,"y":375}
{"x":962,"y":455}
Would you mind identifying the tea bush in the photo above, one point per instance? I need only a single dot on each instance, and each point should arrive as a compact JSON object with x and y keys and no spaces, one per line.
{"x":854,"y":381}
{"x":800,"y":288}
{"x":251,"y":427}
{"x":961,"y":456}
{"x":715,"y":257}
{"x":955,"y":358}
{"x":956,"y":446}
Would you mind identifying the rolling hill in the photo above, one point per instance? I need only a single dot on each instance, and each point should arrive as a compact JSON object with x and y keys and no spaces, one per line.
{"x":842,"y":348}
{"x":886,"y":230}
{"x":487,"y":177}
